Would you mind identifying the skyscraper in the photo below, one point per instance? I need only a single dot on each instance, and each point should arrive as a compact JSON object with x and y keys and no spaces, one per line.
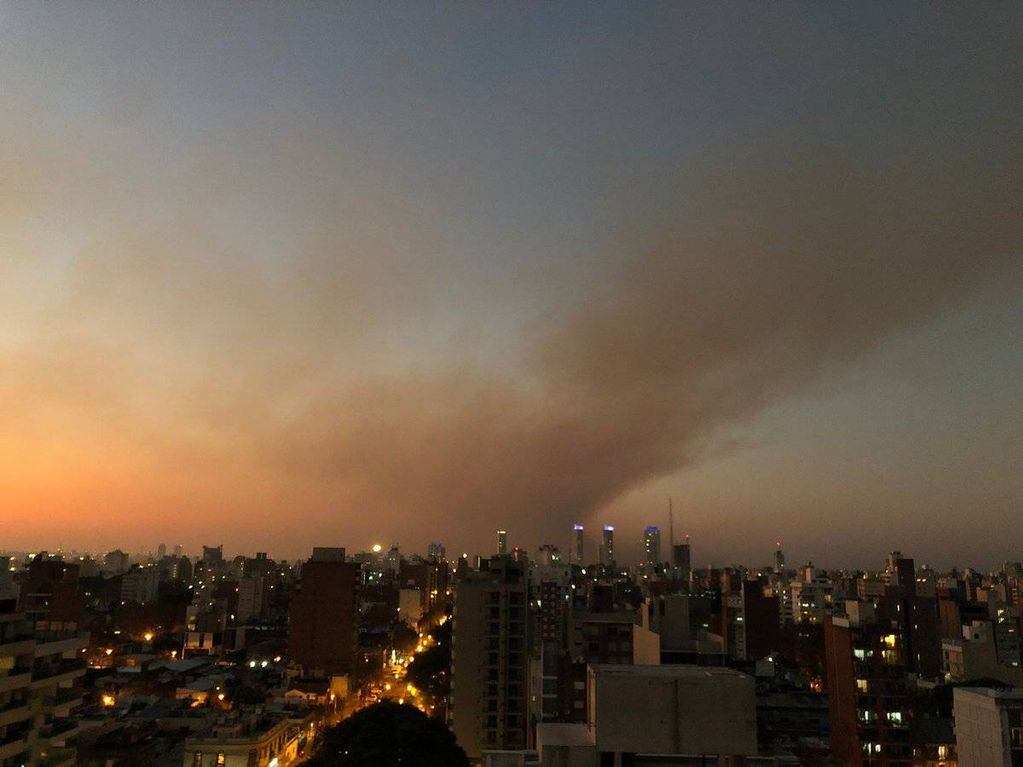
{"x":502,"y":543}
{"x":652,"y":546}
{"x":577,"y":550}
{"x":607,"y":546}
{"x":779,"y":560}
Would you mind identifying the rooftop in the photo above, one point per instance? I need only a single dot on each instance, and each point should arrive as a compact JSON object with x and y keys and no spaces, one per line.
{"x":668,"y":671}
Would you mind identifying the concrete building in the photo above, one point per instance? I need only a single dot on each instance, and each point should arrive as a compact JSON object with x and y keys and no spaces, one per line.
{"x":502,"y":543}
{"x":974,"y":655}
{"x":988,"y":726}
{"x":685,"y":710}
{"x":488,"y":704}
{"x":323,"y":631}
{"x":641,"y":715}
{"x":619,"y":637}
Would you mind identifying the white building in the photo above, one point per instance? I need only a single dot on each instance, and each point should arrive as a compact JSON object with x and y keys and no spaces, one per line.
{"x":988,"y":726}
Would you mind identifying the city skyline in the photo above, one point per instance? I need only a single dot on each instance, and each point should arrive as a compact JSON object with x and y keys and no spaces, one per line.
{"x":286,"y":276}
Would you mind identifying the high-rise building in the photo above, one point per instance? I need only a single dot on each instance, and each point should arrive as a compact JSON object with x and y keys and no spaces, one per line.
{"x":502,"y":543}
{"x":488,"y":704}
{"x":681,"y":561}
{"x":39,"y":690}
{"x":901,"y":572}
{"x":435,"y":551}
{"x":324,"y":609}
{"x":779,"y":560}
{"x":868,"y":687}
{"x":607,"y":546}
{"x":577,"y":544}
{"x":652,"y":546}
{"x":252,"y":597}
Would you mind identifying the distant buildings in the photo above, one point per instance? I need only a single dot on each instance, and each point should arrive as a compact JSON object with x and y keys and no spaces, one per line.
{"x":435,"y":552}
{"x":140,"y":585}
{"x":578,"y":545}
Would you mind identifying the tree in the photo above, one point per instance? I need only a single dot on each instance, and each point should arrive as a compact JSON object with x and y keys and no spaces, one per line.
{"x":389,"y":734}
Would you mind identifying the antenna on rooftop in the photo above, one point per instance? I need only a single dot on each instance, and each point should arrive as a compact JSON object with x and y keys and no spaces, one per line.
{"x":671,"y":526}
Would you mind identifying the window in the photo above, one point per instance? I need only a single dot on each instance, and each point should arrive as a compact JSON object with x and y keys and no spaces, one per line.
{"x":221,"y":759}
{"x":197,"y":759}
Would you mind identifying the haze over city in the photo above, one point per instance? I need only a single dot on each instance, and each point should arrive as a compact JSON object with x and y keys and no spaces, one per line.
{"x":284,"y":275}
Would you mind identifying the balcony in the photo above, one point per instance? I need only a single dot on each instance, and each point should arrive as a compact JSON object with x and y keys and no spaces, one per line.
{"x":11,"y":713}
{"x":17,"y":644}
{"x":65,"y":699}
{"x":57,"y":728}
{"x":58,"y":643}
{"x":58,"y":757}
{"x":16,"y":679}
{"x":14,"y":743}
{"x":56,"y":673}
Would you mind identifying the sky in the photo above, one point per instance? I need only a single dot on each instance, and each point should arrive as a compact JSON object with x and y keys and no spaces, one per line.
{"x":281,"y":275}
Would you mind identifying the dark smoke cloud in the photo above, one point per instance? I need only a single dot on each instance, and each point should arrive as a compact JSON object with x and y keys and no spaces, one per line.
{"x":179,"y":381}
{"x":781,"y":266}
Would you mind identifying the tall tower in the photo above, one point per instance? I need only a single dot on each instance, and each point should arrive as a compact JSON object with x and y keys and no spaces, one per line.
{"x":502,"y":543}
{"x":651,"y":546}
{"x":577,"y":546}
{"x":607,"y":546}
{"x":779,"y":560}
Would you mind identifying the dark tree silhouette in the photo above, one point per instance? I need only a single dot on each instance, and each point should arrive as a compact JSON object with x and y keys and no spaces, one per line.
{"x":430,"y":670}
{"x":389,"y":735}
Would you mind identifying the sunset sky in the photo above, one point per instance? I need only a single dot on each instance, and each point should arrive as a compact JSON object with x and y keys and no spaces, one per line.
{"x":277,"y":275}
